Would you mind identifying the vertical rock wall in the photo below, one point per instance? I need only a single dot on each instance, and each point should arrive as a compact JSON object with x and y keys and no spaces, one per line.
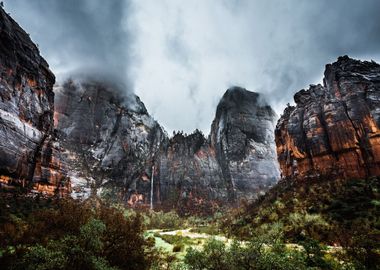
{"x":112,"y":143}
{"x":28,"y":153}
{"x":334,"y":129}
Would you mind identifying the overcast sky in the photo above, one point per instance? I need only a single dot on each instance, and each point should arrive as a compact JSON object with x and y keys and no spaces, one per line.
{"x":180,"y":56}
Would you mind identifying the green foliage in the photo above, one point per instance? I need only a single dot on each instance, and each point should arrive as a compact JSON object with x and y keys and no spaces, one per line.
{"x":73,"y":235}
{"x":264,"y":251}
{"x":319,"y":212}
{"x":306,"y":224}
{"x":178,"y":239}
{"x":212,"y":256}
{"x":211,"y":229}
{"x":293,"y":226}
{"x":163,"y":220}
{"x":315,"y":255}
{"x":41,"y":258}
{"x":90,"y":234}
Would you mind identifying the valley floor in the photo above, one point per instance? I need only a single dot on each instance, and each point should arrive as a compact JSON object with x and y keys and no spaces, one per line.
{"x":313,"y":225}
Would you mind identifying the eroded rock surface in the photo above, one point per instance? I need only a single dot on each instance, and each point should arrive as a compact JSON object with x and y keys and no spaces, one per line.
{"x":29,"y":154}
{"x":242,"y":135}
{"x":115,"y":146}
{"x":110,"y":139}
{"x":334,"y":129}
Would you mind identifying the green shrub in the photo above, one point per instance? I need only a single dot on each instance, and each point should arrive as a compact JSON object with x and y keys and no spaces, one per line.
{"x":264,"y":251}
{"x":74,"y":235}
{"x":163,"y":220}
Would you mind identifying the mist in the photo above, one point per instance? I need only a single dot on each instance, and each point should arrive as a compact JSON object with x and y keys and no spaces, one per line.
{"x":197,"y":49}
{"x":87,"y":38}
{"x":181,"y":56}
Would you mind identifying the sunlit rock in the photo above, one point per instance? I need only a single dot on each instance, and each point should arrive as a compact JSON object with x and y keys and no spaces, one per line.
{"x":334,"y":129}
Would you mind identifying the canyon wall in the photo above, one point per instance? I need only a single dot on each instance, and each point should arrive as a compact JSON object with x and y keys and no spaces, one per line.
{"x":90,"y":137}
{"x":113,"y":145}
{"x":237,"y":161}
{"x":110,"y":140}
{"x":29,"y":153}
{"x":334,"y":129}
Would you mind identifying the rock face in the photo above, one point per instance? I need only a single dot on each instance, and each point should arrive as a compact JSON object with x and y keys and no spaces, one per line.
{"x":334,"y":129}
{"x":242,"y":135}
{"x":188,"y":174}
{"x":237,"y":161}
{"x":93,"y":138}
{"x":29,"y":154}
{"x":114,"y":145}
{"x":110,"y":139}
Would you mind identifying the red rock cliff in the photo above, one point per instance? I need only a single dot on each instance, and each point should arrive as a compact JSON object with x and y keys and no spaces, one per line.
{"x":334,"y":129}
{"x":29,"y":155}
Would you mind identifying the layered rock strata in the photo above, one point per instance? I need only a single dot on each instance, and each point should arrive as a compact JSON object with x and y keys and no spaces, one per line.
{"x":334,"y":129}
{"x":29,"y":154}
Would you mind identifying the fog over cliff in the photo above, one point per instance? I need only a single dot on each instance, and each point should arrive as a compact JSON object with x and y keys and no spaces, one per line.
{"x":180,"y":56}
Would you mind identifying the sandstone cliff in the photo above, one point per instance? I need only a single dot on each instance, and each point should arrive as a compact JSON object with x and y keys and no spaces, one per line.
{"x":109,"y":139}
{"x":243,"y":134}
{"x":29,"y":154}
{"x":113,"y":145}
{"x":237,"y":161}
{"x":334,"y":129}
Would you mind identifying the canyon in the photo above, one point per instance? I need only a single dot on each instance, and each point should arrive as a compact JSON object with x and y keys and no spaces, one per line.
{"x":87,"y":136}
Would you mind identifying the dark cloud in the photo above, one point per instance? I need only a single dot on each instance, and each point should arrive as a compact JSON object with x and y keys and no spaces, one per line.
{"x":275,"y":47}
{"x":79,"y":36}
{"x":190,"y":52}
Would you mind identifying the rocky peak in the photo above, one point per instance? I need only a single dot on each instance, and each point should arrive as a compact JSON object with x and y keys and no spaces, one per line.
{"x":109,"y":137}
{"x":314,"y":92}
{"x":334,"y":129}
{"x":238,"y":115}
{"x":237,"y":98}
{"x":192,"y":142}
{"x":242,"y":135}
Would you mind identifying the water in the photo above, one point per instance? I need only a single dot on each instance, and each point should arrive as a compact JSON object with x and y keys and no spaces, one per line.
{"x":151,"y":189}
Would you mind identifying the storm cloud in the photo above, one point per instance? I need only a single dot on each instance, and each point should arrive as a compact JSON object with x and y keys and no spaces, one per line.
{"x":86,"y":37}
{"x":180,"y":56}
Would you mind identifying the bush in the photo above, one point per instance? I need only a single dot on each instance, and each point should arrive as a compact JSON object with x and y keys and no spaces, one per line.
{"x":264,"y":251}
{"x":74,"y":235}
{"x":162,"y":220}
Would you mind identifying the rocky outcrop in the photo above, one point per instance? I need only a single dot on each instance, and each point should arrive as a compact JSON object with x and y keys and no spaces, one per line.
{"x":189,"y":175}
{"x":237,"y":161}
{"x":110,"y":140}
{"x":242,"y":135}
{"x":29,"y":154}
{"x":115,"y":146}
{"x":334,"y":129}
